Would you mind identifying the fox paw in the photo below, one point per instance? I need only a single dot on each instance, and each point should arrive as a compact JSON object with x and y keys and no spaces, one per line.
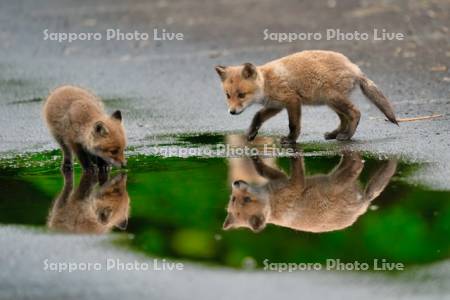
{"x":343,"y":137}
{"x":256,"y":159}
{"x":66,"y":167}
{"x":103,"y":168}
{"x":102,"y":177}
{"x":331,"y":135}
{"x":251,"y":135}
{"x":91,"y":169}
{"x":286,"y":140}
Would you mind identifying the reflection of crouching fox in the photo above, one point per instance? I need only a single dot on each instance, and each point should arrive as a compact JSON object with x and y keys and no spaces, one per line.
{"x":316,"y":203}
{"x":88,"y":209}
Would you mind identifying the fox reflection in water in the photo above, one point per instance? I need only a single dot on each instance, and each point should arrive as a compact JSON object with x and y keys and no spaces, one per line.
{"x":317,"y":203}
{"x":93,"y":207}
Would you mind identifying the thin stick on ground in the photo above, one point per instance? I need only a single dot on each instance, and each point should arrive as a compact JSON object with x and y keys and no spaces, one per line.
{"x":421,"y":118}
{"x":413,"y":119}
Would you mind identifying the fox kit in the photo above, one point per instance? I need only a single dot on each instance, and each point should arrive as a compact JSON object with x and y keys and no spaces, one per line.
{"x":315,"y":204}
{"x":303,"y":78}
{"x":88,"y":209}
{"x":79,"y":124}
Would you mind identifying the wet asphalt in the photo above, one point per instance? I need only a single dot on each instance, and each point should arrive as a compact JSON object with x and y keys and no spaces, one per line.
{"x":33,"y":275}
{"x":170,"y":87}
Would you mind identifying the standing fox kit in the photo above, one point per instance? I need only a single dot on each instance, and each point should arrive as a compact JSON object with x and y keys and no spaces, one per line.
{"x":303,"y":78}
{"x":317,"y":203}
{"x":79,"y":124}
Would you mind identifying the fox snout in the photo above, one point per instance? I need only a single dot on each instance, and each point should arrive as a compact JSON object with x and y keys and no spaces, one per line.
{"x":235,"y":109}
{"x":123,"y":163}
{"x":120,"y":160}
{"x":119,"y":163}
{"x":236,"y":106}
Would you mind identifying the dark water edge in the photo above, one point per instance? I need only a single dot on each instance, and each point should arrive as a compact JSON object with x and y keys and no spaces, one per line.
{"x":177,"y":208}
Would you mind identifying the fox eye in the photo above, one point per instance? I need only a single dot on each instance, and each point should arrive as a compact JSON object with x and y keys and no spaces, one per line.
{"x":115,"y":151}
{"x":228,"y":96}
{"x":104,"y":214}
{"x":233,"y":199}
{"x":247,"y":199}
{"x":241,"y":95}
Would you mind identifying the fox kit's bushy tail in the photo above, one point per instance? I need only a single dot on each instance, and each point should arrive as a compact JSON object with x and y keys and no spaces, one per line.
{"x":371,"y":91}
{"x":380,"y":179}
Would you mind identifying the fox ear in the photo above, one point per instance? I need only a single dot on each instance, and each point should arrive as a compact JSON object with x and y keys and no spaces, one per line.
{"x":249,"y":71}
{"x":100,"y":129}
{"x":222,"y":71}
{"x":117,"y":115}
{"x":228,"y":223}
{"x":257,"y":222}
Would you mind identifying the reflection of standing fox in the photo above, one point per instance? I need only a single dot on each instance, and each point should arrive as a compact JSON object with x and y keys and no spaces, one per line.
{"x":304,"y":78}
{"x":79,"y":124}
{"x":88,"y":209}
{"x":316,"y":204}
{"x":241,"y":167}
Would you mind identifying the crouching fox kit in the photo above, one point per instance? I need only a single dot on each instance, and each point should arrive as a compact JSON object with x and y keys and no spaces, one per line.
{"x":90,"y":208}
{"x":304,"y":78}
{"x":315,"y":203}
{"x":79,"y":124}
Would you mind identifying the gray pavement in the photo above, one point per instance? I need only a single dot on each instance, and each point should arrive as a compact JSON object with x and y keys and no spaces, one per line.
{"x":169,"y":87}
{"x":23,"y":276}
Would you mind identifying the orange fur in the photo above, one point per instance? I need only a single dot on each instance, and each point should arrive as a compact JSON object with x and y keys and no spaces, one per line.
{"x":90,"y":208}
{"x":315,"y":203}
{"x":304,"y":78}
{"x":79,"y":124}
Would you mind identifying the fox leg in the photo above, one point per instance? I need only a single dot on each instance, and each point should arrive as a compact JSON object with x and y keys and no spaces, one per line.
{"x":87,"y":183}
{"x":83,"y":157}
{"x":67,"y":156}
{"x":348,"y":111}
{"x":341,"y":128}
{"x":265,"y":171}
{"x":298,"y":171}
{"x":100,"y":162}
{"x":260,"y":117}
{"x":347,"y":171}
{"x":103,"y":167}
{"x":295,"y":114}
{"x":67,"y":190}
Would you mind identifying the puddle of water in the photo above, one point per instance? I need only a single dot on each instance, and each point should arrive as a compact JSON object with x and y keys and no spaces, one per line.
{"x":201,"y":139}
{"x":359,"y":209}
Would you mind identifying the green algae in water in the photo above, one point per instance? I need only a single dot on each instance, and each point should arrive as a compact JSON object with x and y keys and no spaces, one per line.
{"x":178,"y":207}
